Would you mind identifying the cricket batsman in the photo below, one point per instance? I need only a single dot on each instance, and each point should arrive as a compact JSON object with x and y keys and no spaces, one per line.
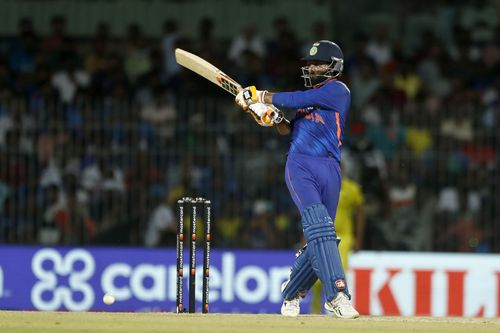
{"x":312,"y":172}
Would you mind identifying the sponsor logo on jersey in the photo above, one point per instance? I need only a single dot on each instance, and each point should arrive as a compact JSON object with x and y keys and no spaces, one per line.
{"x":340,"y":284}
{"x":308,"y":114}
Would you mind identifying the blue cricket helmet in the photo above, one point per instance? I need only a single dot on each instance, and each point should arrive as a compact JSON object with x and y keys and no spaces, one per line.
{"x":323,"y":51}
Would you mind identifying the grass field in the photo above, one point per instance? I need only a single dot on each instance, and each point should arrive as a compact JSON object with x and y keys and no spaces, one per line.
{"x":56,"y":322}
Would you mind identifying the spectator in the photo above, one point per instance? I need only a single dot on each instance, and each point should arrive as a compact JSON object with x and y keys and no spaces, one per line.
{"x":6,"y":122}
{"x":387,"y":136}
{"x":161,"y":114}
{"x":281,"y":29}
{"x":162,"y":227}
{"x":359,"y":56}
{"x":464,"y":234}
{"x":429,"y":67}
{"x":112,"y":226}
{"x":75,"y":224}
{"x":53,"y":45}
{"x":51,"y":140}
{"x":379,"y":48}
{"x":69,"y":79}
{"x":458,"y":124}
{"x":97,"y":60}
{"x":102,"y":175}
{"x":283,"y":56}
{"x":251,"y":71}
{"x":418,"y":136}
{"x":168,"y":45}
{"x":207,"y":45}
{"x":399,"y":229}
{"x":407,"y":80}
{"x":260,"y":232}
{"x":55,"y":203}
{"x":246,"y":40}
{"x":489,"y":216}
{"x":229,"y":225}
{"x":8,"y":221}
{"x":137,"y":61}
{"x":365,"y":82}
{"x":24,"y":48}
{"x":318,"y":31}
{"x":481,"y":18}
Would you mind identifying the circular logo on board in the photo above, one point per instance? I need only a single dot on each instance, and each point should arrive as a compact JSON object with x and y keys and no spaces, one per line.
{"x":313,"y":50}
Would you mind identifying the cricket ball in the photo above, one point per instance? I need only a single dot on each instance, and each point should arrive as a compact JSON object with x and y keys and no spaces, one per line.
{"x":108,"y":299}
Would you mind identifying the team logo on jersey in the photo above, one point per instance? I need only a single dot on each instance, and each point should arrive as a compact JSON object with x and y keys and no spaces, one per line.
{"x":313,"y":50}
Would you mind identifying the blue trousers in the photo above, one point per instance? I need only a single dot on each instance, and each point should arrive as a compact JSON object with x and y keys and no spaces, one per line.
{"x":313,"y":180}
{"x":314,"y":184}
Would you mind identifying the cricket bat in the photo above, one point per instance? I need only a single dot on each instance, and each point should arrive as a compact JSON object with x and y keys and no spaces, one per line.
{"x":218,"y":77}
{"x":207,"y":70}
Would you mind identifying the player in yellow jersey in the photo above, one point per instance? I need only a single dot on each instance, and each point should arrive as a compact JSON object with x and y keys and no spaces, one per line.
{"x":350,"y":218}
{"x":350,"y":225}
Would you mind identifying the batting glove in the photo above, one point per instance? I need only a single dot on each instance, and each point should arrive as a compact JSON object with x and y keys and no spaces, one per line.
{"x":265,"y":114}
{"x":249,"y":96}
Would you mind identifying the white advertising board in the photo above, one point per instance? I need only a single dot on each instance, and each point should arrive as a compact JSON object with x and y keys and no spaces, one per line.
{"x":425,"y":284}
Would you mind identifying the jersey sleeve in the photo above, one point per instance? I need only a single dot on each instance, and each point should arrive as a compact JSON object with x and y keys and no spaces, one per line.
{"x":335,"y":97}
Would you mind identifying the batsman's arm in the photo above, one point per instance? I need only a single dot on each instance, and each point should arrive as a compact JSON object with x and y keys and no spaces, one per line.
{"x":268,"y":97}
{"x":283,"y":128}
{"x":329,"y":97}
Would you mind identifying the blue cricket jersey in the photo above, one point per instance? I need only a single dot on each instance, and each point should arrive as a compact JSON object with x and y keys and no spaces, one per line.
{"x":318,"y":127}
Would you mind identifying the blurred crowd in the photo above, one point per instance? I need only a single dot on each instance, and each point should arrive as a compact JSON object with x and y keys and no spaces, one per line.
{"x":100,"y":136}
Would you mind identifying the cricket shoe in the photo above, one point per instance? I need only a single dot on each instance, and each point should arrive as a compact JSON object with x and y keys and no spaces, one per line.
{"x":341,"y":307}
{"x":290,"y":308}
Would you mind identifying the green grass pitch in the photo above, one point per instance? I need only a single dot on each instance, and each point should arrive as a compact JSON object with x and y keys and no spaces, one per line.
{"x":56,"y":322}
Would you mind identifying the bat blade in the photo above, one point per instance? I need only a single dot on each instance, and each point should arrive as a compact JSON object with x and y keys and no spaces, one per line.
{"x":207,"y":70}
